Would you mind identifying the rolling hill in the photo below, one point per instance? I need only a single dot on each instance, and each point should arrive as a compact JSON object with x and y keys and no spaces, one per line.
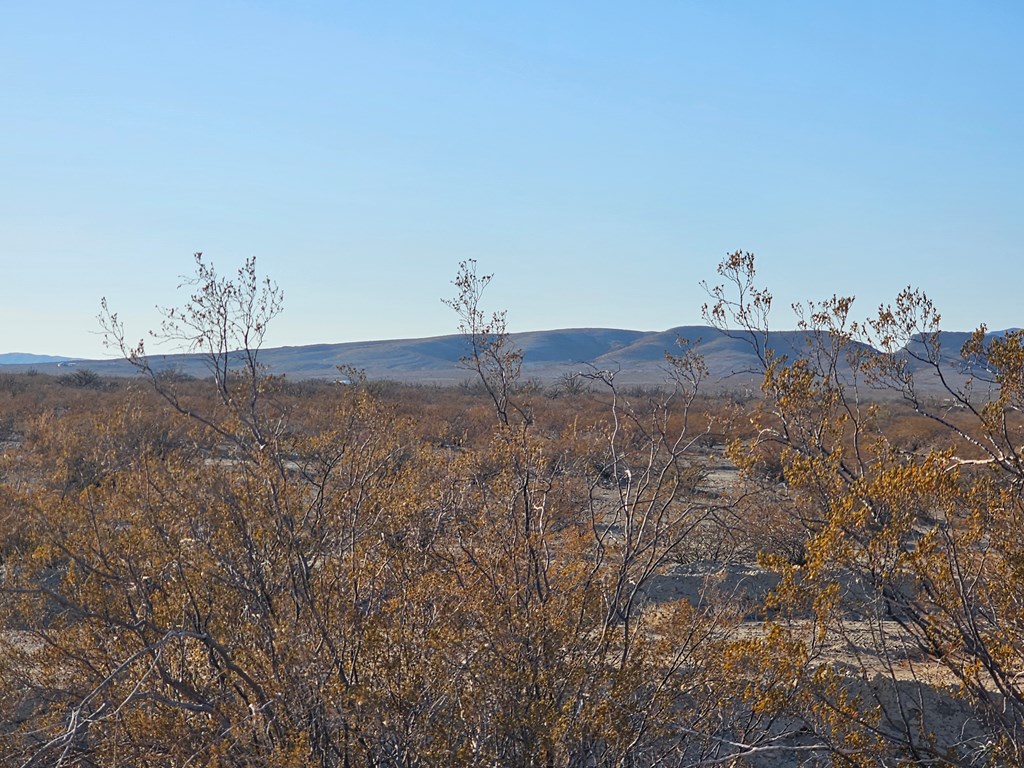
{"x":637,"y":357}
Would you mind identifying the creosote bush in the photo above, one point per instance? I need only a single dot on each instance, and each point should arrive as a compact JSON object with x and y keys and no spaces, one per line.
{"x":246,"y":571}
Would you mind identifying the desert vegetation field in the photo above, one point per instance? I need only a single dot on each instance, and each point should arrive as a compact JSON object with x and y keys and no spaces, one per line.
{"x":241,"y":570}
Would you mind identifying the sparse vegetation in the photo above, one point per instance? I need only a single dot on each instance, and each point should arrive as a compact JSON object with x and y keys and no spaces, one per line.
{"x":83,"y":378}
{"x":247,"y":571}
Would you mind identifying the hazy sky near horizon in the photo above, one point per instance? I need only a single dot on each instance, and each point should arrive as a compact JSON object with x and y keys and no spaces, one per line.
{"x":599,"y":158}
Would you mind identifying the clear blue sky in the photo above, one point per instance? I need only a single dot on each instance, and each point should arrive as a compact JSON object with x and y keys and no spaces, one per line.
{"x":600,"y":158}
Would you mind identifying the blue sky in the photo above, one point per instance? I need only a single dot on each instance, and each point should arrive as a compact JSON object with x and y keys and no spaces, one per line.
{"x":600,"y":158}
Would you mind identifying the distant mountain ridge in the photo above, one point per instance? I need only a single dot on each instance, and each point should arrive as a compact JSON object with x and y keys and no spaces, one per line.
{"x":27,"y":358}
{"x":635,"y":356}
